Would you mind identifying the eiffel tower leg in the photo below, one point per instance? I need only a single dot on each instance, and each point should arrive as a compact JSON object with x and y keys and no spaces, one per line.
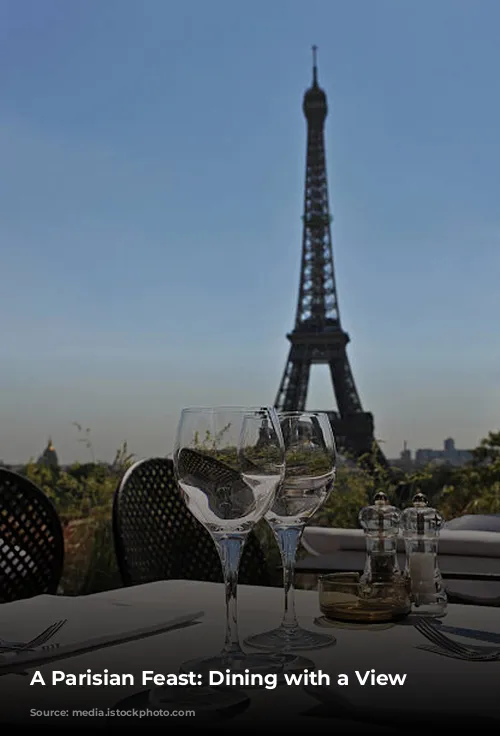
{"x":346,"y":395}
{"x":292,"y":394}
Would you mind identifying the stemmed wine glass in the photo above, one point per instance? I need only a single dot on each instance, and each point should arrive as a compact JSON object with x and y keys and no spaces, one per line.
{"x":229,"y":463}
{"x":309,"y":477}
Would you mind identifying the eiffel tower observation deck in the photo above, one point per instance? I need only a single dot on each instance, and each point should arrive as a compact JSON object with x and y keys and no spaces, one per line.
{"x":318,"y":337}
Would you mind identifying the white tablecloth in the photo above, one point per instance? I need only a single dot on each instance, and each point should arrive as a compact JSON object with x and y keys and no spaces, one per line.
{"x":432,"y":681}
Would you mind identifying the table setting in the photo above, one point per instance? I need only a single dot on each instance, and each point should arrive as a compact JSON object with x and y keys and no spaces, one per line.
{"x":235,"y":467}
{"x":399,"y":648}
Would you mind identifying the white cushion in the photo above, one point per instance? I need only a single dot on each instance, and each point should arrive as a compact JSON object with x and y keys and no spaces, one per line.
{"x":470,"y":543}
{"x":325,"y":541}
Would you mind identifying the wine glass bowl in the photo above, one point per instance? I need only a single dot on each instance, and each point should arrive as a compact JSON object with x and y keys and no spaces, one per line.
{"x":309,"y":479}
{"x":310,"y":467}
{"x":229,"y":478}
{"x":216,"y":494}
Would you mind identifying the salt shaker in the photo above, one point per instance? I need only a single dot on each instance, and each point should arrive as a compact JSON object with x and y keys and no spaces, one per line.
{"x":381,"y":526}
{"x":421,"y":525}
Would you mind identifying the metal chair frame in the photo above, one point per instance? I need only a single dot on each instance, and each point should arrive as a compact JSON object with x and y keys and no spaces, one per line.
{"x":31,"y":540}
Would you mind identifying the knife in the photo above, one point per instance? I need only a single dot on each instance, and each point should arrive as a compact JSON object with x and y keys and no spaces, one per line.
{"x":470,"y":633}
{"x":40,"y":658}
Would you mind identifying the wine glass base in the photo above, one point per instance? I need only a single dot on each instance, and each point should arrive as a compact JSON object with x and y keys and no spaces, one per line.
{"x":245,"y":670}
{"x":217,"y":671}
{"x":295,"y":665}
{"x":290,"y":640}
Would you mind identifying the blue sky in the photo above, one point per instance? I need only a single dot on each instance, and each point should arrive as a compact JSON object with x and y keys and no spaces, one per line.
{"x":150,"y":200}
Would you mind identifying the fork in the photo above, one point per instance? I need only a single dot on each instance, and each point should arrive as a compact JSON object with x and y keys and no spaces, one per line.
{"x":434,"y":649}
{"x":429,"y":630}
{"x":45,"y":648}
{"x":41,"y":638}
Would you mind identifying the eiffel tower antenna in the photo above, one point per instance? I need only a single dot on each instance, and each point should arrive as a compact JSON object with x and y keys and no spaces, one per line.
{"x":315,"y":65}
{"x":318,"y":336}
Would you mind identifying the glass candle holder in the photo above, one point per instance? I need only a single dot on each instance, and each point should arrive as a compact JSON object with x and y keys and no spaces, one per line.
{"x":347,"y":597}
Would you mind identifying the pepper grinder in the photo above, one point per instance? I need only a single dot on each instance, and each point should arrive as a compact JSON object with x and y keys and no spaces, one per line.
{"x":421,"y":525}
{"x":381,"y":526}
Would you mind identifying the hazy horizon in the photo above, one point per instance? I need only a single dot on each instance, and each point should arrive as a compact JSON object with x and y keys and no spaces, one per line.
{"x":151,"y":201}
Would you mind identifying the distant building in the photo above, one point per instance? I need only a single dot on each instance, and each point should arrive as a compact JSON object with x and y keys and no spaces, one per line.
{"x":49,"y":456}
{"x":449,"y":455}
{"x":404,"y":461}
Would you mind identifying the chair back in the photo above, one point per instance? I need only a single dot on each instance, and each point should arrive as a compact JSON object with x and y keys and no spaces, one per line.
{"x":158,"y":538}
{"x":31,"y":540}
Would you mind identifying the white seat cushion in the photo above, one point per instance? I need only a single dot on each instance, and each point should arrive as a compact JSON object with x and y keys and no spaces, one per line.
{"x":325,"y":540}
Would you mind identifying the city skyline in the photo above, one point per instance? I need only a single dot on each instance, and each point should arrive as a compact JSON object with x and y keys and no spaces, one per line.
{"x":411,"y":457}
{"x":151,"y":202}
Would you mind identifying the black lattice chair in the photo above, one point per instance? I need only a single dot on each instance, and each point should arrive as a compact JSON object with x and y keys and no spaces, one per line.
{"x":157,"y":537}
{"x":31,"y":540}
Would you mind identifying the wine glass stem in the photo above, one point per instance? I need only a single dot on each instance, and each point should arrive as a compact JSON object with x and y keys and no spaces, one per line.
{"x":288,"y":540}
{"x":230,"y":548}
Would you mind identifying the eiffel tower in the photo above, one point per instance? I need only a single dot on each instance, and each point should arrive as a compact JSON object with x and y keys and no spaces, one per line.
{"x":318,"y":336}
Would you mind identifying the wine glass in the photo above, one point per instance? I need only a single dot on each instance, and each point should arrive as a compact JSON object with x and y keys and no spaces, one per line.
{"x":309,"y":477}
{"x":229,"y":463}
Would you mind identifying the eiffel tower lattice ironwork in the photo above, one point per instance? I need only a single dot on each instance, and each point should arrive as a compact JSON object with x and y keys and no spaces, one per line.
{"x":318,"y":336}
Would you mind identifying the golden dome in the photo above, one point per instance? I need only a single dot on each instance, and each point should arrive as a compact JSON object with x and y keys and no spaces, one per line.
{"x":49,"y":455}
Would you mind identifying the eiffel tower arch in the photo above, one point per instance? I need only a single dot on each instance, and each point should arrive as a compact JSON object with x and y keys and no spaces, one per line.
{"x":318,"y":337}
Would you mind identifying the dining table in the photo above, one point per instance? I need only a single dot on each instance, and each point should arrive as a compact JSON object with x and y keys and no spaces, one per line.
{"x":441,"y":688}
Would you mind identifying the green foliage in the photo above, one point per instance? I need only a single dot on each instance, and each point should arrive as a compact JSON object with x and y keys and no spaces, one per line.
{"x":471,"y":489}
{"x":252,"y":458}
{"x":83,"y":495}
{"x":475,"y":488}
{"x":85,"y":438}
{"x":352,"y":490}
{"x":210,"y":443}
{"x":312,"y":461}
